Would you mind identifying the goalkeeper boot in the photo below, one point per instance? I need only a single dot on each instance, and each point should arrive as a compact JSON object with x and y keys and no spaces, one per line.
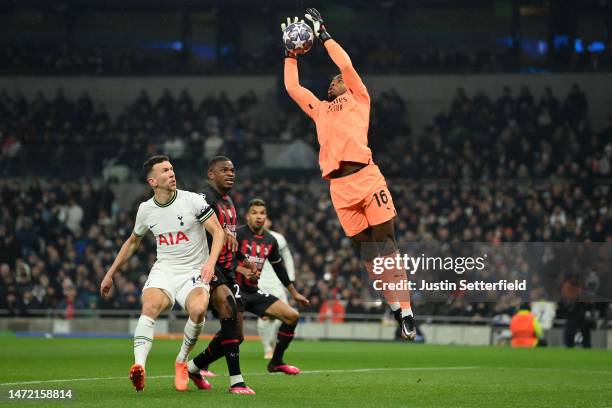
{"x":408,"y":328}
{"x":397,"y":315}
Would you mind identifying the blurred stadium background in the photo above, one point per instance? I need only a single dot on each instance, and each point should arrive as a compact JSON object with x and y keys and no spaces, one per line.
{"x":492,"y":120}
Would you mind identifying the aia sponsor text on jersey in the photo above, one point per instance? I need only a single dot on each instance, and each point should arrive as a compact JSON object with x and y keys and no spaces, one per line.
{"x":172,"y":239}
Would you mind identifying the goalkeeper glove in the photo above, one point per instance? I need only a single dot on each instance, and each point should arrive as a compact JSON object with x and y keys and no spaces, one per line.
{"x":318,"y":24}
{"x":289,"y":54}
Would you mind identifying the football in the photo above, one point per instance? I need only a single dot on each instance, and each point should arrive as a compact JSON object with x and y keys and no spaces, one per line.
{"x":298,"y":38}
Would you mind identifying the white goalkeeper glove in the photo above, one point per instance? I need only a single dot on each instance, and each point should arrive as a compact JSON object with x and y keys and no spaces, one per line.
{"x":289,"y":22}
{"x":289,"y":54}
{"x":317,"y":24}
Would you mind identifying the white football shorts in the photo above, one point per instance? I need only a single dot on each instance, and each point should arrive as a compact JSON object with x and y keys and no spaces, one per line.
{"x":177,"y":283}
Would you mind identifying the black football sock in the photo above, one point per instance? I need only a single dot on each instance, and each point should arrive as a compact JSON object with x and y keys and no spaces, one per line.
{"x":284,"y":337}
{"x":213,"y":352}
{"x":230,"y":342}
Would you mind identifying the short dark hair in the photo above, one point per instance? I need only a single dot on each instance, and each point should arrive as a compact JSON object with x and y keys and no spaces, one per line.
{"x":257,"y":202}
{"x":217,"y":159}
{"x":147,"y":166}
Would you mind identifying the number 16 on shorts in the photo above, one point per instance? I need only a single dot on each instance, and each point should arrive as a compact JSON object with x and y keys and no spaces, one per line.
{"x":381,"y":197}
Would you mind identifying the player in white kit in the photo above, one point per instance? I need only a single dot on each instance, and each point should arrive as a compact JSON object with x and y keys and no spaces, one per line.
{"x":267,"y":328}
{"x":183,"y":268}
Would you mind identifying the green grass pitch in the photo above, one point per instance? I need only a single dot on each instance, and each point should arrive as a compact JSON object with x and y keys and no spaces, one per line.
{"x":338,"y":374}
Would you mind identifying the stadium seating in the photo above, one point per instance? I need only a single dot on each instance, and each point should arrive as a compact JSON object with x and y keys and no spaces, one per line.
{"x":519,"y":168}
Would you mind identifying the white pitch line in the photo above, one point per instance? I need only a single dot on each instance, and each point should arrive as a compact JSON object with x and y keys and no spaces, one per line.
{"x":358,"y":370}
{"x":367,"y":370}
{"x":66,"y":380}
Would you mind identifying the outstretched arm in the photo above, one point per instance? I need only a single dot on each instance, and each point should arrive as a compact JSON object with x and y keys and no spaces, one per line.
{"x":302,"y":96}
{"x":127,"y":250}
{"x":338,"y":55}
{"x":343,"y":62}
{"x":281,"y":273}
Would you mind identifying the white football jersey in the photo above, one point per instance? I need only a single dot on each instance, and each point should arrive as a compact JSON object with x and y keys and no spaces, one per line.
{"x":268,"y":276}
{"x":177,"y":226}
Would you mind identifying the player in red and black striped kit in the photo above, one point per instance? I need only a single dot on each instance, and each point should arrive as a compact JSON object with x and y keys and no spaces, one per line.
{"x":226,"y":342}
{"x":258,"y":245}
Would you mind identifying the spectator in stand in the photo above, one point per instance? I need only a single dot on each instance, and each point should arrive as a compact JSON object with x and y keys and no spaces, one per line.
{"x":332,"y":310}
{"x":355,"y":307}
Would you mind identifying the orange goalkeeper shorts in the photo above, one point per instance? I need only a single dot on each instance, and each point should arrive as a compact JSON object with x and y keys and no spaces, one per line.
{"x":362,"y":199}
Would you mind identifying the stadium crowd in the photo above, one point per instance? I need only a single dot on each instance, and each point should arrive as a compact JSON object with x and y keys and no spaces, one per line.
{"x":80,"y":136}
{"x":366,"y":51}
{"x":515,"y":169}
{"x":515,"y":136}
{"x":62,"y":59}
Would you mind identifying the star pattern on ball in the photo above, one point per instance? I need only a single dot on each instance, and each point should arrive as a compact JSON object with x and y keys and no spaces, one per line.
{"x":297,"y":37}
{"x":298,"y":43}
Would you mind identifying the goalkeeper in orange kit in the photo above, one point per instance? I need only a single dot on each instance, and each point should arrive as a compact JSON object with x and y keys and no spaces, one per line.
{"x":358,"y":189}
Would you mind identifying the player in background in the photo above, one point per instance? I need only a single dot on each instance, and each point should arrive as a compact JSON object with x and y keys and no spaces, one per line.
{"x":183,"y":269}
{"x":221,"y":175}
{"x":268,"y":282}
{"x":258,"y":245}
{"x":358,"y":189}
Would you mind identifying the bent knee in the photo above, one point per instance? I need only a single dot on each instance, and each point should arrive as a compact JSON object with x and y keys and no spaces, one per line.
{"x":224,"y":311}
{"x":292,"y":317}
{"x":197,"y":312}
{"x":152,"y":309}
{"x":225,"y":307}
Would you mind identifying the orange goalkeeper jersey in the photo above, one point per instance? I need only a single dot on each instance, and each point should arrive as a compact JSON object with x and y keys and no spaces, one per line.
{"x":342,"y":125}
